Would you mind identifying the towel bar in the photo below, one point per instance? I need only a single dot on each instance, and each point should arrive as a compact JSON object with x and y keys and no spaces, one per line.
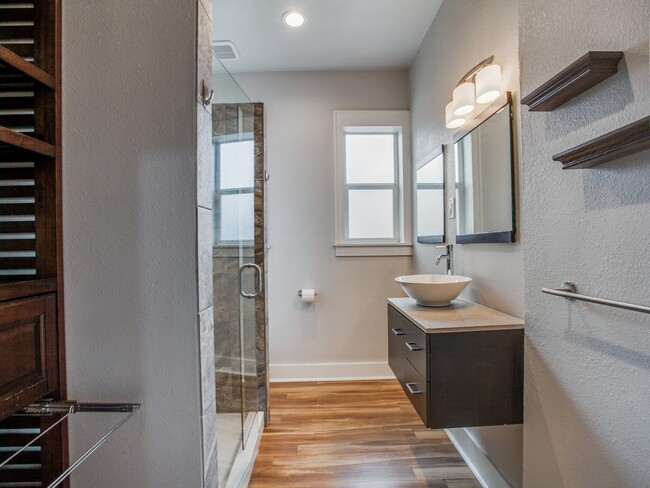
{"x":51,"y":407}
{"x":568,"y":291}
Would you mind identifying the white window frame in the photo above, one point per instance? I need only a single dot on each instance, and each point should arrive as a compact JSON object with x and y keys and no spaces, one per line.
{"x":374,"y":122}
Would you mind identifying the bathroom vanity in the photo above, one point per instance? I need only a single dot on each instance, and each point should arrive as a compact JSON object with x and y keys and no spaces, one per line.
{"x":461,"y":365}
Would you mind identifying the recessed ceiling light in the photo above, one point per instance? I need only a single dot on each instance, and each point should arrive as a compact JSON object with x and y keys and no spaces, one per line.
{"x":293,"y":18}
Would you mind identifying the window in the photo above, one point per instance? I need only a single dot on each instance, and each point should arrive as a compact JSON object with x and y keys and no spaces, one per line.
{"x":234,"y":183}
{"x":373,"y":182}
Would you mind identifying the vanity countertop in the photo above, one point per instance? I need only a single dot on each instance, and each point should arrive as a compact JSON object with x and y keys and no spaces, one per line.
{"x":460,"y":316}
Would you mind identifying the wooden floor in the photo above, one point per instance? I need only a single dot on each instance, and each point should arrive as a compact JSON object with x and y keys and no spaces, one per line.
{"x":353,"y":434}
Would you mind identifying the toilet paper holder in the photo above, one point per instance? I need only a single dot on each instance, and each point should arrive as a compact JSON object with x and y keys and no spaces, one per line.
{"x":300,"y":293}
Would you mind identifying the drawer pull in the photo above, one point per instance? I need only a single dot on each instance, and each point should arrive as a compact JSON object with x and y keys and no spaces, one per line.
{"x":413,"y":346}
{"x":398,"y":331}
{"x":413,"y":389}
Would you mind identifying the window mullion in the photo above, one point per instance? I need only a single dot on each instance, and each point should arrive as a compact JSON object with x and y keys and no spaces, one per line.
{"x":370,"y":186}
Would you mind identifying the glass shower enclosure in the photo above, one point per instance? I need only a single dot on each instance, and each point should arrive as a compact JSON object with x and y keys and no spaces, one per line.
{"x":238,"y":270}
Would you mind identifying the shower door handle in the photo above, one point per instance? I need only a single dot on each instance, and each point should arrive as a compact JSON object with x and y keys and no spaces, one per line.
{"x":258,"y":282}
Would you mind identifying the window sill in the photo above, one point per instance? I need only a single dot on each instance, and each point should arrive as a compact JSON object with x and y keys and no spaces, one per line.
{"x":357,"y":250}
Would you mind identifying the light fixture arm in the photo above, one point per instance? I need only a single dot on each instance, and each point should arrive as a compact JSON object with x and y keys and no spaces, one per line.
{"x":472,"y":73}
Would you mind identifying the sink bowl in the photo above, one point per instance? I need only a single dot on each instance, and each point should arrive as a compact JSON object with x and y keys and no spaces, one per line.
{"x":433,"y":290}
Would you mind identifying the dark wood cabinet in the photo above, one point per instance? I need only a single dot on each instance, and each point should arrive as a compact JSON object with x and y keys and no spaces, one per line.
{"x":458,"y":378}
{"x":31,"y":267}
{"x":29,"y":351}
{"x":32,"y":356}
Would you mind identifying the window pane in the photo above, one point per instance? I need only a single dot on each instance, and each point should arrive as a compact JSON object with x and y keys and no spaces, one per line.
{"x":236,"y":217}
{"x":370,"y":158}
{"x":430,"y":213}
{"x":236,"y":164}
{"x":432,"y":172}
{"x":370,"y":214}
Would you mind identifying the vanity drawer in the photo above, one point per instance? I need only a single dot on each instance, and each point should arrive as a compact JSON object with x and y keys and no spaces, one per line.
{"x":415,"y":387}
{"x":405,"y":339}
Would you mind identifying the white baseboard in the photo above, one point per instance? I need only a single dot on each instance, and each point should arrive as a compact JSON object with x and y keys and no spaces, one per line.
{"x":484,"y":471}
{"x":330,"y":372}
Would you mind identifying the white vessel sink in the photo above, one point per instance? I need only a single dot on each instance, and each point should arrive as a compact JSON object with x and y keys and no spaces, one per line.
{"x":433,"y":290}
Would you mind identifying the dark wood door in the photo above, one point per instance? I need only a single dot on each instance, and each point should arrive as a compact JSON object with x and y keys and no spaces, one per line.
{"x":29,"y":351}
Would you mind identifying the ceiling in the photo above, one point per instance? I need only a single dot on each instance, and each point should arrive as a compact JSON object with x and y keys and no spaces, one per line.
{"x":338,"y":34}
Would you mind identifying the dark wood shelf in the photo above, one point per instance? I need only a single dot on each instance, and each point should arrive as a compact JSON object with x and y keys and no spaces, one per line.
{"x":586,"y":72}
{"x":10,"y":58}
{"x":16,"y":139}
{"x":627,"y":140}
{"x":23,"y":289}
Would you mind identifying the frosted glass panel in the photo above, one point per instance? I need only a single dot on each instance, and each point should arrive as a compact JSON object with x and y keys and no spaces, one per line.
{"x":237,"y":217}
{"x":370,"y":214}
{"x":236,"y":165}
{"x":432,"y":172}
{"x":369,"y":158}
{"x":430,"y":218}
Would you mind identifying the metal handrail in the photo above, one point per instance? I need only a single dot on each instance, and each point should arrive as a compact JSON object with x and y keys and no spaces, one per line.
{"x":568,"y":291}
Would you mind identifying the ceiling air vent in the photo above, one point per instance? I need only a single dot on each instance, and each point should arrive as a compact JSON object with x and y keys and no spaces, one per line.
{"x":225,"y":50}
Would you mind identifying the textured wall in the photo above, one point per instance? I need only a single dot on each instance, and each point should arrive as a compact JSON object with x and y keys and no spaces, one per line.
{"x":587,"y":387}
{"x":130,"y":237}
{"x":463,"y":33}
{"x":345,"y":329}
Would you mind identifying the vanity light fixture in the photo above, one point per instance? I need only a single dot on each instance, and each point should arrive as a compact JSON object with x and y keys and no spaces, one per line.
{"x":293,"y":18}
{"x":481,"y":85}
{"x":488,"y":84}
{"x":453,"y":121}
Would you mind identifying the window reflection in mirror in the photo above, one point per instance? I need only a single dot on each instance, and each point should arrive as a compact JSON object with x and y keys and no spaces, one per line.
{"x":430,"y":198}
{"x":484,"y":181}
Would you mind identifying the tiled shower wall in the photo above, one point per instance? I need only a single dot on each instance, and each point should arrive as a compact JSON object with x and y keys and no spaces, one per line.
{"x":205,"y":188}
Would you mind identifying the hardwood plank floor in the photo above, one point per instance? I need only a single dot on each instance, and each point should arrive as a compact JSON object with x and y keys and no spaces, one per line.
{"x":353,"y":434}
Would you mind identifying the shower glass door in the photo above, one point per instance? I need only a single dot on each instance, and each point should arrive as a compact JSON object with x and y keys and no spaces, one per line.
{"x":238,"y":263}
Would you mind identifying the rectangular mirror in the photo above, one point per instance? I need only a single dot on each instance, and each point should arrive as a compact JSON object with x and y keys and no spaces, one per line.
{"x":430,"y":198}
{"x":485,"y":199}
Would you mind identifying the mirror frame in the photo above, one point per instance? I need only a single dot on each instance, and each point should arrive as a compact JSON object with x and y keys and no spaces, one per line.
{"x":432,"y":239}
{"x":498,"y":237}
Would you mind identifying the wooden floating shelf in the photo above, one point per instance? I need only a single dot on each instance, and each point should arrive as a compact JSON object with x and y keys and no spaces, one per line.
{"x":627,"y":140}
{"x":25,"y":67}
{"x":16,"y":139}
{"x":586,"y":72}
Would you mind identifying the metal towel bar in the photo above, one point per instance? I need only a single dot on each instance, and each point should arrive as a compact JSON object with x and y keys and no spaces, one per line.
{"x":568,"y":291}
{"x":49,"y":407}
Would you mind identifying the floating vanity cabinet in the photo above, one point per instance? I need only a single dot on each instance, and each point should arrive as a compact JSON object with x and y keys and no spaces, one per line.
{"x":460,"y":366}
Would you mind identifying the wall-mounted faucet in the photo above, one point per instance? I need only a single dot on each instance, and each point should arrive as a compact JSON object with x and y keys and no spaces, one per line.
{"x":448,"y":256}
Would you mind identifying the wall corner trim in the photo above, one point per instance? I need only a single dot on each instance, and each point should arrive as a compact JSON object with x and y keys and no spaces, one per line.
{"x":481,"y":465}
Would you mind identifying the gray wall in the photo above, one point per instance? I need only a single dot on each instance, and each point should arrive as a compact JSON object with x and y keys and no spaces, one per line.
{"x":587,"y":387}
{"x":463,"y":33}
{"x":342,"y":334}
{"x":130,"y":237}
